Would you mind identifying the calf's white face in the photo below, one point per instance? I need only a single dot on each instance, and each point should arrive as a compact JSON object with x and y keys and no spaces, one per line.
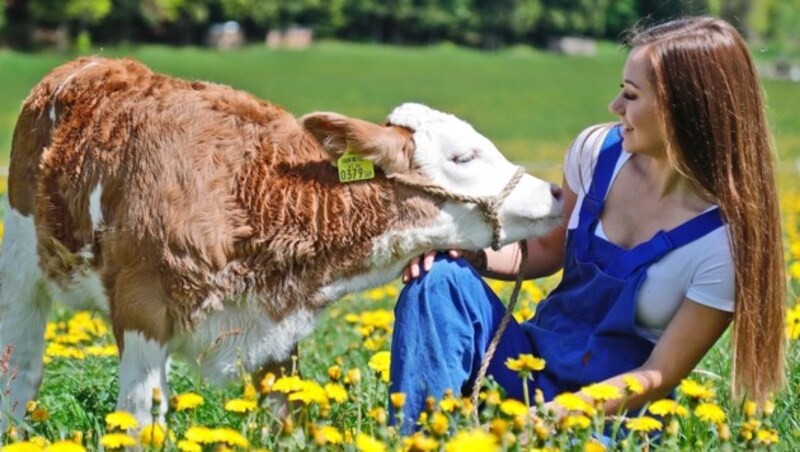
{"x":457,"y":158}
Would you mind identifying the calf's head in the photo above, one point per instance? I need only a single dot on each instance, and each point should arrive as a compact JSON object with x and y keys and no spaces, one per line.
{"x":438,"y":153}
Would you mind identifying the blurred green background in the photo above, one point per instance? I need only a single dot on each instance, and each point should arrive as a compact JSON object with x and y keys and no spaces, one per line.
{"x":531,"y":103}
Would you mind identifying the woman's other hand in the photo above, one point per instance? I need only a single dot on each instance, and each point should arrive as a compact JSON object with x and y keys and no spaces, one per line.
{"x":423,"y":263}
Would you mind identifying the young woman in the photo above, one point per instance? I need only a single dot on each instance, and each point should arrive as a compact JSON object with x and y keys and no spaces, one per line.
{"x":672,"y":231}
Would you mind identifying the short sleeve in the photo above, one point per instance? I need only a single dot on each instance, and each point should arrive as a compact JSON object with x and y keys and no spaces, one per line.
{"x":581,"y":157}
{"x":713,"y":282}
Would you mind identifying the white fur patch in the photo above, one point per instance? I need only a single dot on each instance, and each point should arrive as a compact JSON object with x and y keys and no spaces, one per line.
{"x":142,"y":368}
{"x":95,"y":210}
{"x":24,"y":303}
{"x":241,"y":337}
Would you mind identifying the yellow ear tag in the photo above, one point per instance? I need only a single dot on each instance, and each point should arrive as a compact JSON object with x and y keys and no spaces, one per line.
{"x":353,"y":168}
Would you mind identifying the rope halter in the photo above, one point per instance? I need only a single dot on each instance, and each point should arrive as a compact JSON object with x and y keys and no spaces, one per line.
{"x":488,"y":205}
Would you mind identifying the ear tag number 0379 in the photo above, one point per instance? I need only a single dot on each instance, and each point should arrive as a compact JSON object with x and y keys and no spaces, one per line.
{"x":353,"y":168}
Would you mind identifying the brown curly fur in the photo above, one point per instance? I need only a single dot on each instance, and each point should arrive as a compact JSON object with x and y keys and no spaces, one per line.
{"x":207,"y":193}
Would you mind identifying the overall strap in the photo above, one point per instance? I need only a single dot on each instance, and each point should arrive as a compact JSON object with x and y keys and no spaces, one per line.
{"x":592,"y":204}
{"x":603,"y":172}
{"x":664,"y":242}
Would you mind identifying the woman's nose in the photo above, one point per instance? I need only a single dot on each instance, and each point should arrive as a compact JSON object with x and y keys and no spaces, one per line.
{"x":615,"y":106}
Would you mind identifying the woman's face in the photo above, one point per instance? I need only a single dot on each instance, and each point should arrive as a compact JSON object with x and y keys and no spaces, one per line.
{"x":636,"y":105}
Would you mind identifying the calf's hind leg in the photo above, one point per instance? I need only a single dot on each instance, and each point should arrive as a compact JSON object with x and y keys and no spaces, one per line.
{"x":141,"y":328}
{"x":24,"y":305}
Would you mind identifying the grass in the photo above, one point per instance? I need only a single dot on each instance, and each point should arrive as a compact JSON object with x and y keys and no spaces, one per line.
{"x":530,"y":103}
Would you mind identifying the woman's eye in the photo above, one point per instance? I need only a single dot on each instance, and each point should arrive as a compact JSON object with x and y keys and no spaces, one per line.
{"x":464,"y":158}
{"x":628,"y":96}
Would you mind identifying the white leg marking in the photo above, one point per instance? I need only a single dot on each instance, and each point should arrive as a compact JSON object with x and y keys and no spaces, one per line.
{"x":142,"y":368}
{"x":95,"y":210}
{"x":24,"y":304}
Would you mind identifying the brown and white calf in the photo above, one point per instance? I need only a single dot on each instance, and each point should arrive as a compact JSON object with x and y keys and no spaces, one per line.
{"x":188,"y":210}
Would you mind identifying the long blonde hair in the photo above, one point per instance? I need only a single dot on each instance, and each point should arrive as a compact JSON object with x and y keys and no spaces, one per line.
{"x":712,"y":110}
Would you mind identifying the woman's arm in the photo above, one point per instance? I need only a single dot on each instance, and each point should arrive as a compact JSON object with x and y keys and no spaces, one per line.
{"x":545,"y":254}
{"x":690,"y":334}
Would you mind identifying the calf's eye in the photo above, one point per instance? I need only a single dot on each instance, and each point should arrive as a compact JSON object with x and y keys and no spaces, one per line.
{"x":465,"y":158}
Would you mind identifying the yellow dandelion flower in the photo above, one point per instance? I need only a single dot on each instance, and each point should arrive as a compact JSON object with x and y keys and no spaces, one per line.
{"x":398,"y":399}
{"x":366,"y":443}
{"x":602,"y":392}
{"x":572,"y":402}
{"x":154,"y":435}
{"x":240,"y":405}
{"x":39,"y":441}
{"x":40,"y":414}
{"x":200,"y":435}
{"x":310,"y":392}
{"x":327,"y":434}
{"x":186,"y":401}
{"x":336,"y":392}
{"x":644,"y":424}
{"x":793,"y":323}
{"x":794,"y":270}
{"x":449,"y":404}
{"x":767,"y":436}
{"x":288,"y":384}
{"x":439,"y":424}
{"x":117,"y":440}
{"x":229,"y":436}
{"x":525,"y":363}
{"x":513,"y":408}
{"x":379,"y":414}
{"x":374,"y":343}
{"x":498,"y":427}
{"x":334,"y":373}
{"x":710,"y":412}
{"x":380,"y":364}
{"x":121,"y":420}
{"x":63,"y":446}
{"x":695,"y":390}
{"x":249,"y":392}
{"x":575,"y":422}
{"x":420,"y":442}
{"x":22,"y":446}
{"x":593,"y":446}
{"x":353,"y":376}
{"x":491,"y":398}
{"x":185,"y":445}
{"x":472,"y":441}
{"x":632,"y":384}
{"x":750,"y":409}
{"x":667,"y":407}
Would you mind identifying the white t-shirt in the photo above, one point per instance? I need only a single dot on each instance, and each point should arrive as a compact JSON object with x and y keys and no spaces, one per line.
{"x":701,"y":271}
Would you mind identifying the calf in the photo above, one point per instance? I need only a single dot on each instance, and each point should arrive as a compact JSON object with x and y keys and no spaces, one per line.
{"x":187,"y":210}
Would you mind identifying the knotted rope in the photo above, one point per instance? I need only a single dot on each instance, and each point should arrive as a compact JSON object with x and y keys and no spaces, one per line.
{"x":492,"y":348}
{"x":489,"y":206}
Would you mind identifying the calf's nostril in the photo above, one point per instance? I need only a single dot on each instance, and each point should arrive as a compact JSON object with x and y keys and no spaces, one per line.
{"x":556,"y":191}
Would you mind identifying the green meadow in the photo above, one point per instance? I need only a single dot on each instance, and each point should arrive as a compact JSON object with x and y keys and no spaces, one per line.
{"x":531,"y":104}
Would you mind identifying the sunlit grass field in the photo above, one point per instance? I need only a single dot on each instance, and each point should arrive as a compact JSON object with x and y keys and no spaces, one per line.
{"x":531,"y":104}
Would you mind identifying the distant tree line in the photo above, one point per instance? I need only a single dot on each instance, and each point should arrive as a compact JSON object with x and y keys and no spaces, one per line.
{"x":479,"y":23}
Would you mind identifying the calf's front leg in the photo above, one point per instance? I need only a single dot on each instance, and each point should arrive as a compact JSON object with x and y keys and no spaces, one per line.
{"x":141,"y":327}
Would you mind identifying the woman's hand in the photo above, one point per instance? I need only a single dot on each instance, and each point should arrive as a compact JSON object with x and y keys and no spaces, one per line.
{"x":424,"y":262}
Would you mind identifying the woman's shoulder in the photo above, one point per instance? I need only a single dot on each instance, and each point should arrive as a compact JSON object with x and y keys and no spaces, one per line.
{"x":581,"y":156}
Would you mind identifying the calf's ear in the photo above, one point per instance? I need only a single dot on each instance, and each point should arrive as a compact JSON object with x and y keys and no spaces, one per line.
{"x":389,"y":147}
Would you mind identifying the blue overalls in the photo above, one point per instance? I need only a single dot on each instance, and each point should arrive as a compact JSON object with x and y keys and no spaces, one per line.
{"x":585,"y":329}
